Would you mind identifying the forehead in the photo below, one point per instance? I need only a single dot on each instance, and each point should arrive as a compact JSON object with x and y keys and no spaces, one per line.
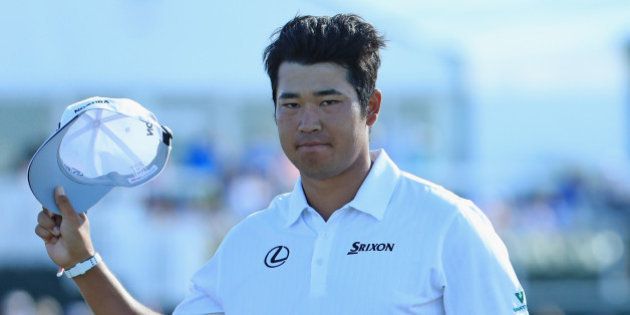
{"x":300,"y":78}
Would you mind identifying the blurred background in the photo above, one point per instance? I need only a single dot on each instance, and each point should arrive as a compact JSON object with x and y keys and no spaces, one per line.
{"x":521,"y":106}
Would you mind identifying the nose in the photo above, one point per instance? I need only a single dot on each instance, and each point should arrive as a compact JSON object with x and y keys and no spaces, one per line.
{"x":310,"y":120}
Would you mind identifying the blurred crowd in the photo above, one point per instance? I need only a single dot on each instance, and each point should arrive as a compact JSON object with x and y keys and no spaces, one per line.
{"x":570,"y":199}
{"x":20,"y":302}
{"x":574,"y":222}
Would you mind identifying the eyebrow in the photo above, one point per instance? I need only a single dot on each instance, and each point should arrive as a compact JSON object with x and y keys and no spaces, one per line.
{"x":328,"y":92}
{"x":286,"y":95}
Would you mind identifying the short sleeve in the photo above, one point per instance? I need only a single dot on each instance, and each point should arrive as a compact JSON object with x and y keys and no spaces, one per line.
{"x":204,"y":293}
{"x":478,"y":275}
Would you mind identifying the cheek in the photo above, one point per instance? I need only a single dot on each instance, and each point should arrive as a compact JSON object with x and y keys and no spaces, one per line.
{"x":347,"y":125}
{"x":285,"y":131}
{"x":285,"y":118}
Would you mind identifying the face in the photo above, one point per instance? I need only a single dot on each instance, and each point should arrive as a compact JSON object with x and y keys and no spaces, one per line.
{"x":321,"y":128}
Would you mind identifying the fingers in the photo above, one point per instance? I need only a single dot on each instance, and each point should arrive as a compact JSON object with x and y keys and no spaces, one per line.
{"x":48,"y":225}
{"x":62,"y":201}
{"x":55,"y":217}
{"x":45,"y":234}
{"x":45,"y":220}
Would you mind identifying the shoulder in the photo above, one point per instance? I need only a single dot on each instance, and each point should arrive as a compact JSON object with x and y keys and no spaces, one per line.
{"x":440,"y":209}
{"x":458,"y":224}
{"x":429,"y":196}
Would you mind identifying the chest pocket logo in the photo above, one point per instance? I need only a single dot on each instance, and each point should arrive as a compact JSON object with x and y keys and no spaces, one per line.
{"x":277,"y":256}
{"x":358,"y":247}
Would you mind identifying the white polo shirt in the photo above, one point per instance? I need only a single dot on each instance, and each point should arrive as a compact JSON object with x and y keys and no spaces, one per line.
{"x":403,"y":245}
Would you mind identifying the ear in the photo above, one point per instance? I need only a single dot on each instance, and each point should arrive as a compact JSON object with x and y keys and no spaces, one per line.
{"x":374,"y":107}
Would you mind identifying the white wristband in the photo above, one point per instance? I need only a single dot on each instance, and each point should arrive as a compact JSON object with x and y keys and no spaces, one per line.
{"x":83,"y":267}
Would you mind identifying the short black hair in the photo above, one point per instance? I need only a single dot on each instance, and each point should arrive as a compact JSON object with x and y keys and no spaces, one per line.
{"x":344,"y":39}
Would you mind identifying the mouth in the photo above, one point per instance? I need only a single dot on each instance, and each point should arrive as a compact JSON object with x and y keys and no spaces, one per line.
{"x":312,"y":145}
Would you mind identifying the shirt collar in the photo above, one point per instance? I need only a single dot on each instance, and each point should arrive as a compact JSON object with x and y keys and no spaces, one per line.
{"x":297,"y":203}
{"x":377,"y":188}
{"x":373,"y":195}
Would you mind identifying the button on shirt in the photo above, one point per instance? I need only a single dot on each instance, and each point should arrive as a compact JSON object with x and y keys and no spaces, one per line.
{"x":403,"y":245}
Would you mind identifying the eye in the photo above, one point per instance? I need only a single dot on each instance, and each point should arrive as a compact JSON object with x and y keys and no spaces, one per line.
{"x":329,"y":102}
{"x":290,"y":105}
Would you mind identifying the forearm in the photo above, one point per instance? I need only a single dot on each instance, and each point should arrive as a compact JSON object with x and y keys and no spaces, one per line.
{"x":105,"y":295}
{"x":68,"y":243}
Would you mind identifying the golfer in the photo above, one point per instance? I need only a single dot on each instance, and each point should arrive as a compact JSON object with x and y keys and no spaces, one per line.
{"x":357,"y":235}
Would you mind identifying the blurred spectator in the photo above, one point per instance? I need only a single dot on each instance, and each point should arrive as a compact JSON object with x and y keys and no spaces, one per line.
{"x":18,"y":303}
{"x":48,"y":306}
{"x":201,"y":156}
{"x":248,"y":192}
{"x":78,"y":308}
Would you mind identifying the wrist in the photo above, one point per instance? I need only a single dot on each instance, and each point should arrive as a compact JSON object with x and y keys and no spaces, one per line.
{"x":78,"y":257}
{"x":83,"y":266}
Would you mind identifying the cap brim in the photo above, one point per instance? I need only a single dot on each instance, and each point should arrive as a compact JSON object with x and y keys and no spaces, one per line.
{"x":44,"y":174}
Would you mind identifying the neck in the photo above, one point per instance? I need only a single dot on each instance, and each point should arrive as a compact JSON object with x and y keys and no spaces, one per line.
{"x":330,"y":194}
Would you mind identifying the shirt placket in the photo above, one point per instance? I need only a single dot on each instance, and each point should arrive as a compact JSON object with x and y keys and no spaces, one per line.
{"x":321,"y":251}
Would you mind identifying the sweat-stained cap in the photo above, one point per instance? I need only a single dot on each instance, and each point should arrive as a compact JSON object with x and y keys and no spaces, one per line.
{"x":100,"y":143}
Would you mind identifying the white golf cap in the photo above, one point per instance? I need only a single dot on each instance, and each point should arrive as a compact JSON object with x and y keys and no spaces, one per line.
{"x":100,"y":143}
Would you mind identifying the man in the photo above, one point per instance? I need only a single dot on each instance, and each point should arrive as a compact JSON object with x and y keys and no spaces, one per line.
{"x":355,"y":236}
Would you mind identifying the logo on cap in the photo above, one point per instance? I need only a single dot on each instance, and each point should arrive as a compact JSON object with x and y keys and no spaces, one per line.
{"x":90,"y":103}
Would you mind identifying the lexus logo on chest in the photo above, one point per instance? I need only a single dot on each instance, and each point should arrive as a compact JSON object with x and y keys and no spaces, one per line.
{"x":277,"y":256}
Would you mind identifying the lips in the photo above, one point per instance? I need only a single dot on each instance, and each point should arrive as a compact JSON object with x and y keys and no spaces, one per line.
{"x":311,"y":144}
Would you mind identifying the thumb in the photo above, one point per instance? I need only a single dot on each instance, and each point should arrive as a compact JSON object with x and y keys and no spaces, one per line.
{"x":64,"y":205}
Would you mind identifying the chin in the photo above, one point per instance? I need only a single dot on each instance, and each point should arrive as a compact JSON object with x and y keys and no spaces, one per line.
{"x":317,"y":173}
{"x":314,"y":166}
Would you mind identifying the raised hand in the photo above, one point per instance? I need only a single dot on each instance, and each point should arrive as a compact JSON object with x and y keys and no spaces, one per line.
{"x":67,"y":236}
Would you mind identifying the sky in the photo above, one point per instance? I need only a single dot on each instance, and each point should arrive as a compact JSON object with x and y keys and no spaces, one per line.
{"x":547,"y":80}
